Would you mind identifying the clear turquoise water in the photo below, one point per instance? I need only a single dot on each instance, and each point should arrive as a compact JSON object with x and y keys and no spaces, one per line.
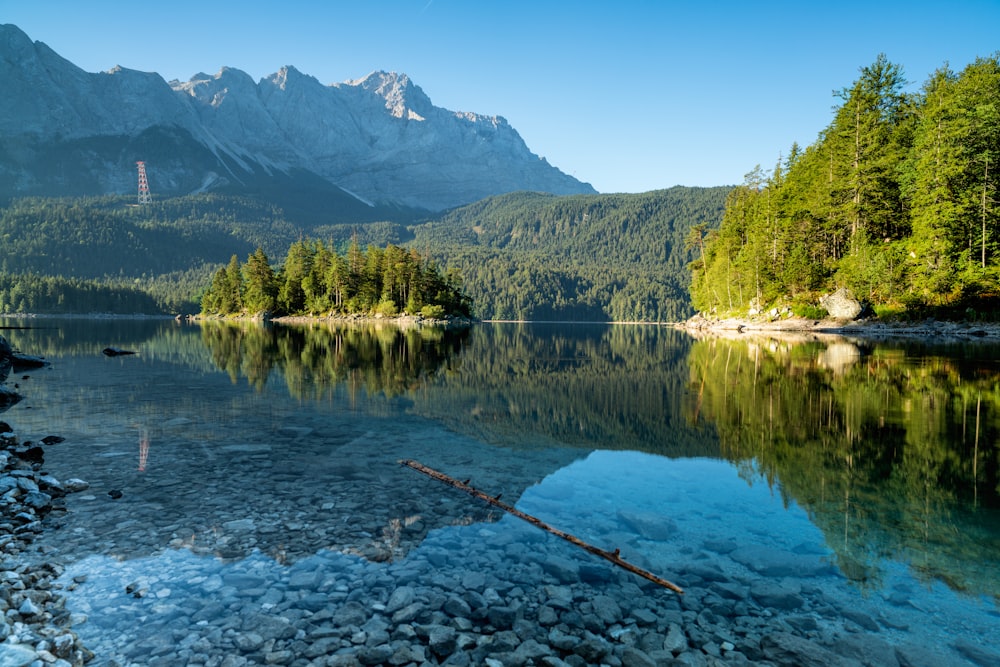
{"x":273,"y":470}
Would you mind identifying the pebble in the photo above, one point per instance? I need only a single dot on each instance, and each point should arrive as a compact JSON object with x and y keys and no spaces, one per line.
{"x":492,"y":592}
{"x":33,"y":626}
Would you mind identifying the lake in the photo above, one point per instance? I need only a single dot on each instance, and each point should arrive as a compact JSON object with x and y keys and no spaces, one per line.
{"x":820,"y":500}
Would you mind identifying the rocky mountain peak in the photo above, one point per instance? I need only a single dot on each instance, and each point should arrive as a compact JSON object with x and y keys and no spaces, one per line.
{"x":213,"y":89}
{"x":289,"y":76}
{"x":226,"y":128}
{"x":402,"y":97}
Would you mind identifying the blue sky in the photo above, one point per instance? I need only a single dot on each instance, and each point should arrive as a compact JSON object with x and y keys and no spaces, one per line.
{"x":628,"y":95}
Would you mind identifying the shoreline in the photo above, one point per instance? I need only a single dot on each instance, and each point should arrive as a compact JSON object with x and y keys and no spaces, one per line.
{"x":697,"y":326}
{"x":867,"y":329}
{"x":35,"y":625}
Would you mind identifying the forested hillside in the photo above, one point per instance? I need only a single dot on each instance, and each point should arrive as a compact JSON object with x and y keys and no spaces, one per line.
{"x":103,"y":254}
{"x":896,"y":200}
{"x":519,"y":256}
{"x":618,"y":257}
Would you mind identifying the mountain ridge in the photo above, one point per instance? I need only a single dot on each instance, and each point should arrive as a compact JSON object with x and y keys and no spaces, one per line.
{"x":379,"y":138}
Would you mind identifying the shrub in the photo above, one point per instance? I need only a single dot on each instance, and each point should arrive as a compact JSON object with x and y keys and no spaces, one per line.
{"x":809,"y":311}
{"x":434,"y":312}
{"x":386,"y":308}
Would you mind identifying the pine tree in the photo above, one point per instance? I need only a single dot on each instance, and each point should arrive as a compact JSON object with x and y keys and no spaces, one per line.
{"x":315,"y":285}
{"x":955,"y":235}
{"x":297,"y":265}
{"x":261,"y":284}
{"x":934,"y":168}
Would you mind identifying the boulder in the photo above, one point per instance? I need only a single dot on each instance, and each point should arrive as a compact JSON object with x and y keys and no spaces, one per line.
{"x":784,"y":648}
{"x":772,"y":562}
{"x":841,"y":304}
{"x":23,"y":362}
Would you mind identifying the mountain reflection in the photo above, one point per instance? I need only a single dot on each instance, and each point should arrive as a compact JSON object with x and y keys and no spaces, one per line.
{"x":314,"y":359}
{"x":891,"y":449}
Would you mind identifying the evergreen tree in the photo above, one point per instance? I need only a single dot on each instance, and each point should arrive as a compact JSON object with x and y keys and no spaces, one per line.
{"x":261,"y":284}
{"x":934,"y":168}
{"x":315,"y":285}
{"x":297,"y":265}
{"x":955,"y":236}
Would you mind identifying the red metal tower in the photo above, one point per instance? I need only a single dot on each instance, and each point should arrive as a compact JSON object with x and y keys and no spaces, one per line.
{"x":144,"y":196}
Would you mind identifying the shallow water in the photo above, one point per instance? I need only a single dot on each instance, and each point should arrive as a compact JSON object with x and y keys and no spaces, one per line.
{"x":264,"y":517}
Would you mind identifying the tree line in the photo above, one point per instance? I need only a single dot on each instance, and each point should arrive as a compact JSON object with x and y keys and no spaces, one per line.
{"x":522,"y":255}
{"x":33,"y":293}
{"x":896,"y":200}
{"x":315,"y":279}
{"x":104,"y":254}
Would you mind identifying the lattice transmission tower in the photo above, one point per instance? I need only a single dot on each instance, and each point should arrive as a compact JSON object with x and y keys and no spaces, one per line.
{"x":144,"y":196}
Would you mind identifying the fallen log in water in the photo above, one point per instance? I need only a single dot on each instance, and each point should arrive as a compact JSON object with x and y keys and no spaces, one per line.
{"x":613,"y":557}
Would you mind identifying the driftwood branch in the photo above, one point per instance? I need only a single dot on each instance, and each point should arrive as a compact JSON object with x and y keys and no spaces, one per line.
{"x":613,"y":557}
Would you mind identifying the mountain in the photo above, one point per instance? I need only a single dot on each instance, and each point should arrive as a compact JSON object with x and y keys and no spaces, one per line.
{"x":372,"y":142}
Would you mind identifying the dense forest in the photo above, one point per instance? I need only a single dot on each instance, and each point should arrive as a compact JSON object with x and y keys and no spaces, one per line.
{"x":616,"y":257}
{"x":520,"y":256}
{"x":315,"y":279}
{"x":896,"y":200}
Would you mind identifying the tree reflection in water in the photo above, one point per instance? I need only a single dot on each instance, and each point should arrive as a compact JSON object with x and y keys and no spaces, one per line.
{"x":314,"y":359}
{"x":891,"y":449}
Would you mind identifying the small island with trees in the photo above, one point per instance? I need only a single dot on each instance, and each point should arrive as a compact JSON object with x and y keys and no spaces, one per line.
{"x":315,"y":280}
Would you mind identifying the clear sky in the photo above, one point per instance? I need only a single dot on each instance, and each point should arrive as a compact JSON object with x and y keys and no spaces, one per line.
{"x":628,"y":95}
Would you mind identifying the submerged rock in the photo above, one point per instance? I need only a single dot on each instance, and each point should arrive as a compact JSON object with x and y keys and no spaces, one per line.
{"x":116,"y":352}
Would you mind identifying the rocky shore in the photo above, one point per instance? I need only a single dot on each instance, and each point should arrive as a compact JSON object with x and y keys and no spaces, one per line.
{"x":402,"y":321}
{"x":503,"y":594}
{"x":867,"y":328}
{"x":34,"y":625}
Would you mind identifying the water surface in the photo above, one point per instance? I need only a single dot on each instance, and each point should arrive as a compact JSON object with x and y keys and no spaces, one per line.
{"x":839,"y":492}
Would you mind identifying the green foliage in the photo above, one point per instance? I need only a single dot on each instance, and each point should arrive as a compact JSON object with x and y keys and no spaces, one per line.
{"x":315,"y":279}
{"x":169,"y":250}
{"x":434,"y":312}
{"x":32,"y":293}
{"x":808,"y":311}
{"x":896,"y":200}
{"x":261,"y":289}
